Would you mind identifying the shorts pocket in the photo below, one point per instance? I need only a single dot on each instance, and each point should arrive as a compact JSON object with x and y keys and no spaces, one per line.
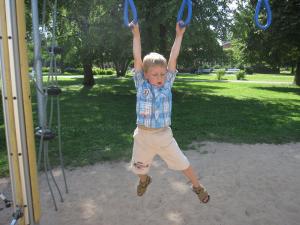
{"x":166,"y":138}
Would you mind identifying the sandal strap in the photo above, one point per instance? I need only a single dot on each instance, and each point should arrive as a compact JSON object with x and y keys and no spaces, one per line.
{"x":201,"y":192}
{"x":146,"y":182}
{"x":141,"y":188}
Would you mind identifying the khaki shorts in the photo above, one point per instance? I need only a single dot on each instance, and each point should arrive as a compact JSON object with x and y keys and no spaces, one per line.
{"x":151,"y":142}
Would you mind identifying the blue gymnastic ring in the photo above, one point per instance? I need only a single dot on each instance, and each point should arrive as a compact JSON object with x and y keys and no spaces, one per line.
{"x":134,"y":12}
{"x":184,"y":3}
{"x":269,"y":14}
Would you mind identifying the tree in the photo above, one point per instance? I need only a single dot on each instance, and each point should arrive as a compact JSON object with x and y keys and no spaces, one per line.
{"x":276,"y":46}
{"x":82,"y":19}
{"x":100,"y":33}
{"x":92,"y":31}
{"x":116,"y":38}
{"x":285,"y":31}
{"x":209,"y":23}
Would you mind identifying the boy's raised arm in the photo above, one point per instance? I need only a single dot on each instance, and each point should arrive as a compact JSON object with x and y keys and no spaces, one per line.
{"x":137,"y":49}
{"x":175,"y":48}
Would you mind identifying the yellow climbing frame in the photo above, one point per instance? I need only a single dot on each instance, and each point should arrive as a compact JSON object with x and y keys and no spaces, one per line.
{"x":18,"y":111}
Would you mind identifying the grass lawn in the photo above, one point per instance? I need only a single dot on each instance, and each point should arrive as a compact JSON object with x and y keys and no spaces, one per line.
{"x":97,"y":123}
{"x":253,"y":77}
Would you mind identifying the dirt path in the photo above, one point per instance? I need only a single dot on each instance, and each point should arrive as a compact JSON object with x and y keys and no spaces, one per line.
{"x":249,"y":184}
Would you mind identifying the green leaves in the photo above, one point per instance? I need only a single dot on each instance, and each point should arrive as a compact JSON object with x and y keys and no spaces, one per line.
{"x":277,"y":45}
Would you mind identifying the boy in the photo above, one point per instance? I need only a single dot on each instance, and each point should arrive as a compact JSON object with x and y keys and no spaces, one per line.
{"x":153,"y":78}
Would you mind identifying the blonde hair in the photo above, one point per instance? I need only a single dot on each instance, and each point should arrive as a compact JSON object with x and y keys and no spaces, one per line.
{"x":154,"y":59}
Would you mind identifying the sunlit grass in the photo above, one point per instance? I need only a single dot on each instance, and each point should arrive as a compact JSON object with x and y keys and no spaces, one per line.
{"x":231,"y":77}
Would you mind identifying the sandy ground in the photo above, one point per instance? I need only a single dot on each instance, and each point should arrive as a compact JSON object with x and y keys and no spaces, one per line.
{"x":249,"y":184}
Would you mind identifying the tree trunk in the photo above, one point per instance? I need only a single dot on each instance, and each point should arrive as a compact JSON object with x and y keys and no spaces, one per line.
{"x":297,"y":75}
{"x":163,"y":39}
{"x":62,"y":63}
{"x":88,"y":80}
{"x":293,"y":69}
{"x":148,"y":43}
{"x":121,"y":67}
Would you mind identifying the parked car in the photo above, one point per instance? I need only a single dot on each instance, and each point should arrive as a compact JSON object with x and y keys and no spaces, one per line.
{"x":206,"y":71}
{"x":232,"y":70}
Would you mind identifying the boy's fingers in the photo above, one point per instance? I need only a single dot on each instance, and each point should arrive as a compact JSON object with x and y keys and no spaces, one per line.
{"x":133,"y":25}
{"x":181,"y":24}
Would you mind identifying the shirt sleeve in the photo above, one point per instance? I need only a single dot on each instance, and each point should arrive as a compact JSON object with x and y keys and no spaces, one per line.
{"x":170,"y":76}
{"x":138,"y":78}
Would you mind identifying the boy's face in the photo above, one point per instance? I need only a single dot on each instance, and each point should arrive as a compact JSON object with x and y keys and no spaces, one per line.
{"x":156,"y":75}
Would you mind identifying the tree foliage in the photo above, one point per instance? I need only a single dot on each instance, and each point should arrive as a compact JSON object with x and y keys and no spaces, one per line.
{"x":200,"y":45}
{"x":278,"y":45}
{"x":91,"y":32}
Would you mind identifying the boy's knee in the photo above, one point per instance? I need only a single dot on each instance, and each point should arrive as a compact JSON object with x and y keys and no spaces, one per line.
{"x":140,"y":167}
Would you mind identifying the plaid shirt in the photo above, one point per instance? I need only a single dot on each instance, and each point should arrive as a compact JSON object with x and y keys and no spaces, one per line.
{"x":153,"y":104}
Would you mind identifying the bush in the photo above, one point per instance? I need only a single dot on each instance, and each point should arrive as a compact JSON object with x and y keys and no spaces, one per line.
{"x":71,"y":70}
{"x":99,"y":71}
{"x":220,"y":74}
{"x":249,"y":70}
{"x":109,"y":72}
{"x":96,"y":71}
{"x":240,"y":75}
{"x":80,"y":70}
{"x":241,"y":66}
{"x":45,"y":69}
{"x":262,"y":68}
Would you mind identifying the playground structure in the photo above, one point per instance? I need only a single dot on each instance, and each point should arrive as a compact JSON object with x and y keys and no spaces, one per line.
{"x":18,"y":114}
{"x":188,"y":3}
{"x":259,"y":6}
{"x":50,"y":94}
{"x":185,"y":3}
{"x":18,"y":110}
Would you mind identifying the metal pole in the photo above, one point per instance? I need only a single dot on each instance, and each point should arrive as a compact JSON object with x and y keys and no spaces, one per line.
{"x":38,"y":62}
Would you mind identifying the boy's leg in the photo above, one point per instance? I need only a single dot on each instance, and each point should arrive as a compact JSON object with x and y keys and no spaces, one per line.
{"x":143,"y":177}
{"x":190,"y":174}
{"x":142,"y":156}
{"x":196,"y":186}
{"x":176,"y":160}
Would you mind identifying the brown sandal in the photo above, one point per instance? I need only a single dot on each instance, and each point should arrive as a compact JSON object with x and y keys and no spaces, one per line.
{"x":142,"y":187}
{"x":201,"y":193}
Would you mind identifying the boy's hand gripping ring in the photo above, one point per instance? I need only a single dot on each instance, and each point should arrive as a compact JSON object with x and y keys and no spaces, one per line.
{"x":184,"y":3}
{"x":133,"y":10}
